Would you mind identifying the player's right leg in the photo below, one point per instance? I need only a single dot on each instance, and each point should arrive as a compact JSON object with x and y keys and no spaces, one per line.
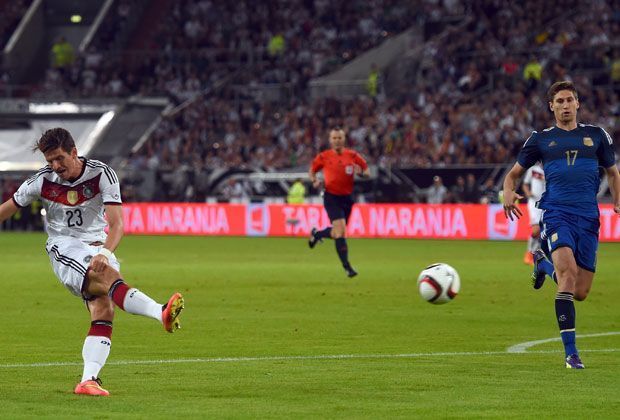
{"x":96,"y":346}
{"x":109,"y":282}
{"x":566,"y":271}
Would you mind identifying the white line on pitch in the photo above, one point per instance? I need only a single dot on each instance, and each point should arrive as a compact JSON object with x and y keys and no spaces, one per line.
{"x":289,"y":358}
{"x":522,"y":347}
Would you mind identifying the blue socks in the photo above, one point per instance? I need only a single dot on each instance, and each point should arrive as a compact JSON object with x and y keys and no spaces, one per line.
{"x":547,"y":267}
{"x":565,"y":312}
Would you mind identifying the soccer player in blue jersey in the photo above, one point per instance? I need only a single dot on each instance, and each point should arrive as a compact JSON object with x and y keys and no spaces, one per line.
{"x":571,"y":154}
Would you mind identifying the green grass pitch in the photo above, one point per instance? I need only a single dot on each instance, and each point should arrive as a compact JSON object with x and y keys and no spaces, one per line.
{"x":274,"y":330}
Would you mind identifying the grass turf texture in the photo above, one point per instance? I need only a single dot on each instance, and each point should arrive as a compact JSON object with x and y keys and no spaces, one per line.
{"x":256,"y":297}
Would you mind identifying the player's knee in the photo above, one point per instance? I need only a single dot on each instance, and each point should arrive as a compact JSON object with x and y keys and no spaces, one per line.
{"x":101,"y":308}
{"x":567,"y":279}
{"x":581,"y":295}
{"x":338,"y":231}
{"x":103,"y":278}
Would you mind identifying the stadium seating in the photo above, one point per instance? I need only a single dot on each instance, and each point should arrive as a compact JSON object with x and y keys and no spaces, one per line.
{"x":474,"y":98}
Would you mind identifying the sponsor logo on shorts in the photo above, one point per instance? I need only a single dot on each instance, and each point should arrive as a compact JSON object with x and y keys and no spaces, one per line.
{"x":554,"y":237}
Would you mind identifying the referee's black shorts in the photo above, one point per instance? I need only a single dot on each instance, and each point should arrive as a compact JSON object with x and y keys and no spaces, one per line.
{"x":338,"y":206}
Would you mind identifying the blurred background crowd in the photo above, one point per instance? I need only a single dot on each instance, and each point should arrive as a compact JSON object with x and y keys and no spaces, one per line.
{"x":473,"y":95}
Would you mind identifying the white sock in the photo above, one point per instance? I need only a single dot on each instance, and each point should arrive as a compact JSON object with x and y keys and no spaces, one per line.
{"x":95,"y":352}
{"x":138,"y":303}
{"x":530,"y":244}
{"x":535,"y":244}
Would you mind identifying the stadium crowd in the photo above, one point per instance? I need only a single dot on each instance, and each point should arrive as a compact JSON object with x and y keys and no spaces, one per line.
{"x":198,"y":42}
{"x":12,"y":12}
{"x":479,"y":91}
{"x":450,"y":116}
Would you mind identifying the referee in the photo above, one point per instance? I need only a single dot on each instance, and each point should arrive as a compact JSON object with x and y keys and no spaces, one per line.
{"x":339,"y":166}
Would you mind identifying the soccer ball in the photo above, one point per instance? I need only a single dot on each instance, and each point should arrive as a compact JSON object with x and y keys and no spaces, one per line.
{"x":439,"y":283}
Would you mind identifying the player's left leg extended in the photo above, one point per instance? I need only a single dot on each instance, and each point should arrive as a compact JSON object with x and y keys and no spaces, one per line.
{"x":110,"y":283}
{"x":96,"y":346}
{"x":567,"y":272}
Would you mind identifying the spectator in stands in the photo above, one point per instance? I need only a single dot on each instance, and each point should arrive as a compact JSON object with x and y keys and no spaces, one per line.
{"x":532,"y":72}
{"x":457,"y":191}
{"x":615,"y":70}
{"x":276,"y":45}
{"x":372,"y":83}
{"x":296,"y":193}
{"x":235,"y":191}
{"x":436,"y":193}
{"x":63,"y":55}
{"x":472,"y":192}
{"x":489,"y":193}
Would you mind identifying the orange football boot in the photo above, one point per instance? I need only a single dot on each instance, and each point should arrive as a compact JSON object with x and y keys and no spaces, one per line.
{"x":172,"y":310}
{"x":528,"y":258}
{"x":91,"y":387}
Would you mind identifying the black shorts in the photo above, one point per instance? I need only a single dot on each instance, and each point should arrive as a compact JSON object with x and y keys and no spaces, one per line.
{"x":338,"y":206}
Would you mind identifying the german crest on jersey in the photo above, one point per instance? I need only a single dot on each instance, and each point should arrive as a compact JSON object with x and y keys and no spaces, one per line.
{"x":72,"y":197}
{"x":587,"y":141}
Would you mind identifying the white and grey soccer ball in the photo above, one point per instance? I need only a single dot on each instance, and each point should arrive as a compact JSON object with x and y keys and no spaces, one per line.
{"x":439,"y":283}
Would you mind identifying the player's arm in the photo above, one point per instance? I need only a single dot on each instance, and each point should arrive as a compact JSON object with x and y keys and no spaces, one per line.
{"x":7,"y":209}
{"x":613,"y":178}
{"x":114,"y":214}
{"x":511,"y":197}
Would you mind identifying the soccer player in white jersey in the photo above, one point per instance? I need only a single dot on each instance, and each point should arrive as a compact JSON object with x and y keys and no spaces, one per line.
{"x":533,"y":188}
{"x":76,"y":193}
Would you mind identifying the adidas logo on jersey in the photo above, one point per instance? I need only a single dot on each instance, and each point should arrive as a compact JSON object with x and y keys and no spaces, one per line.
{"x":552,"y":143}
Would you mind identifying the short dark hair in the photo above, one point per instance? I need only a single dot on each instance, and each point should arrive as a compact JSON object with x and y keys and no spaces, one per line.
{"x":53,"y":139}
{"x":558,"y":86}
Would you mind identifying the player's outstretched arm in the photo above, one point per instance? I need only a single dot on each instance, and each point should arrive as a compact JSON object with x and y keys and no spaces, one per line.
{"x":511,"y":198}
{"x":613,"y":178}
{"x":7,"y":209}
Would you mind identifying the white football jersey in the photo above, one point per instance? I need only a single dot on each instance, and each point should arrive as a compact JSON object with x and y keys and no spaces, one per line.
{"x":75,"y":208}
{"x":535,"y":177}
